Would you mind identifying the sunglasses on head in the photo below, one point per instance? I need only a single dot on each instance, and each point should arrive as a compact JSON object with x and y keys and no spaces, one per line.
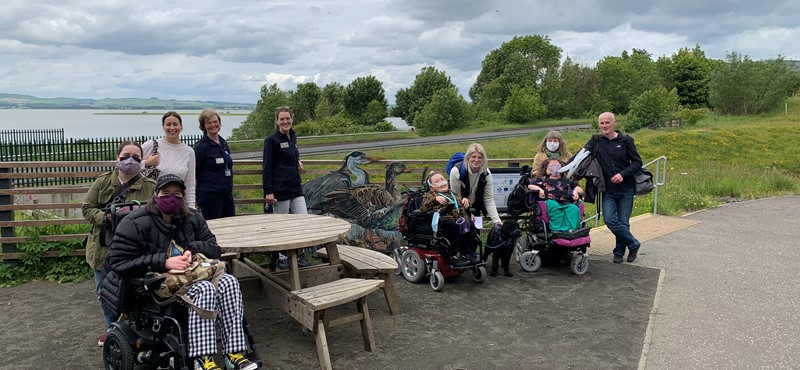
{"x":135,"y":158}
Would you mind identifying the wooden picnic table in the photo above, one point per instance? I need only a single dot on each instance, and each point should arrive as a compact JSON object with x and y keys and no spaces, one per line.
{"x":305,"y":293}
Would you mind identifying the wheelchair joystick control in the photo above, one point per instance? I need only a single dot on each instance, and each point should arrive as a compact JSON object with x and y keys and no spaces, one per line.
{"x":144,"y":357}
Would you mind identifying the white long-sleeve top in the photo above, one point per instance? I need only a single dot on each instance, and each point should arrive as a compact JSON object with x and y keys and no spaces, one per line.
{"x":177,"y":159}
{"x":488,"y":191}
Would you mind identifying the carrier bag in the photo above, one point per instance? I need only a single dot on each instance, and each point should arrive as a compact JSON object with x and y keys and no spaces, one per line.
{"x":644,"y":181}
{"x":178,"y":282}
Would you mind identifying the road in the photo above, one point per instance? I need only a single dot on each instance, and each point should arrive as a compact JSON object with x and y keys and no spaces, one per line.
{"x":460,"y":138}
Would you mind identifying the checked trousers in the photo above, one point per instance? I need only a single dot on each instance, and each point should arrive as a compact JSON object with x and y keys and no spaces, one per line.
{"x":226,"y":299}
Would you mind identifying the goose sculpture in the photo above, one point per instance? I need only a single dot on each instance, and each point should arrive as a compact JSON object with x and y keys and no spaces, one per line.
{"x":315,"y":190}
{"x":367,"y":205}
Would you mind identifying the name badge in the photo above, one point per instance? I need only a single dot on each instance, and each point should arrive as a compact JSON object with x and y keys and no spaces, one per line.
{"x":284,"y":145}
{"x":220,"y":160}
{"x":228,"y":172}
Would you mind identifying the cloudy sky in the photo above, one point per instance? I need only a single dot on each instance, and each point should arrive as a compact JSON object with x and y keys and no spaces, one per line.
{"x":226,"y":50}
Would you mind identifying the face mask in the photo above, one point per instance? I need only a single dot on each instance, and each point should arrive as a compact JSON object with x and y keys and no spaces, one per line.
{"x":169,"y":204}
{"x":440,"y":184}
{"x":552,"y":146}
{"x":129,"y":166}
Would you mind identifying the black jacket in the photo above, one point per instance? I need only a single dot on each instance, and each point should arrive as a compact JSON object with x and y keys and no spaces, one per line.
{"x":618,"y":156}
{"x":280,"y":172}
{"x":209,"y":173}
{"x":140,"y":245}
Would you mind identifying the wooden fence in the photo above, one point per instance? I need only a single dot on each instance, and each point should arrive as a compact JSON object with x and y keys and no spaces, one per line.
{"x":64,"y":202}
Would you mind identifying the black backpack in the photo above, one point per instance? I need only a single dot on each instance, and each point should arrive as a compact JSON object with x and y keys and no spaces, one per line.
{"x":516,"y":204}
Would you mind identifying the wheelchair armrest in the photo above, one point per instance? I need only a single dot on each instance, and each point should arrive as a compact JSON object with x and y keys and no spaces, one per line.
{"x":150,"y":281}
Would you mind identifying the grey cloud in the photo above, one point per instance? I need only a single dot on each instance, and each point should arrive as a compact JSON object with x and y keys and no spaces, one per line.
{"x":438,"y":11}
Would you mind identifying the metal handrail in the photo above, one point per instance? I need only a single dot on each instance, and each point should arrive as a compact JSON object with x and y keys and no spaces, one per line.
{"x":659,"y":179}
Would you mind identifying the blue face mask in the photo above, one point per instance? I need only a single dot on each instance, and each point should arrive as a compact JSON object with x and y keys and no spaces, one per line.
{"x":435,"y":222}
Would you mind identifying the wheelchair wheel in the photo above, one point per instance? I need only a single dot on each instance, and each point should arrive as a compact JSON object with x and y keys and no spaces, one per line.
{"x":413,"y":267}
{"x":520,"y":246}
{"x":117,"y":352}
{"x":479,"y":274}
{"x":437,"y":281}
{"x":579,"y":264}
{"x":530,"y":262}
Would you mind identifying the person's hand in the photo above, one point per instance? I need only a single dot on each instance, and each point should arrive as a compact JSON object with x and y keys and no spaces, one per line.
{"x":300,"y":167}
{"x":498,"y":223}
{"x":270,"y":199}
{"x":464,"y":202}
{"x":575,"y":195}
{"x":152,"y":160}
{"x":179,"y":262}
{"x":441,"y":199}
{"x":541,"y":193}
{"x":616,"y":179}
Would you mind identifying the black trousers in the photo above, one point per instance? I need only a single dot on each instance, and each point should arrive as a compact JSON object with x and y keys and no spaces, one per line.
{"x":216,"y":204}
{"x":464,"y":243}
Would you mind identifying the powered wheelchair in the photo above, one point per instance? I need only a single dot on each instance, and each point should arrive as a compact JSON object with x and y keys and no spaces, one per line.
{"x":425,"y":252}
{"x":153,"y":334}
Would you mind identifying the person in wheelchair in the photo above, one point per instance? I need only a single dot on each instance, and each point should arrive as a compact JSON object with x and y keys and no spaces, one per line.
{"x":560,"y":195}
{"x":461,"y":238}
{"x":163,"y":236}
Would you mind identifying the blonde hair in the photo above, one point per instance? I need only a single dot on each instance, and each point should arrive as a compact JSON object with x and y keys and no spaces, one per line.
{"x":477,"y":148}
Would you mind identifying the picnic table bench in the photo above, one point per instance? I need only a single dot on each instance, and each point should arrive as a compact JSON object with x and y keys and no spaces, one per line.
{"x":369,"y":264}
{"x":307,"y":294}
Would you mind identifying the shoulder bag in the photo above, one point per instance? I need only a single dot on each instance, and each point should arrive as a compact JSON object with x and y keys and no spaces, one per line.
{"x":151,"y":171}
{"x":644,"y":181}
{"x":177,"y":283}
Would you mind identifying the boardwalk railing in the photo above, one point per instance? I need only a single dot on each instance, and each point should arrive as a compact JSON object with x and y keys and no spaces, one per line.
{"x":63,"y":202}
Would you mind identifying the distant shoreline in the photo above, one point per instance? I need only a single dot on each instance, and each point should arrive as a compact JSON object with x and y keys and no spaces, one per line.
{"x":160,"y":113}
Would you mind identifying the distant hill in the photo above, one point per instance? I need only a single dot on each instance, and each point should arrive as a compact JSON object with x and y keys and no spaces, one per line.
{"x":32,"y":102}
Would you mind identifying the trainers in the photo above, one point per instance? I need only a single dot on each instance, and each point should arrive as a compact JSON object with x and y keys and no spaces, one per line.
{"x":102,"y":340}
{"x":205,"y":363}
{"x":302,"y":262}
{"x":632,"y":254}
{"x":237,"y":361}
{"x":617,"y":259}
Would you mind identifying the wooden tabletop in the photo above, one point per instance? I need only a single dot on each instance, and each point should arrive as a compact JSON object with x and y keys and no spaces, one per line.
{"x":275,"y":232}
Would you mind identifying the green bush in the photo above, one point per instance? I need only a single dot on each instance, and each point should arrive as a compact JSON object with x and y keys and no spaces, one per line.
{"x":523,"y":106}
{"x":691,"y":116}
{"x":446,"y":112}
{"x":653,"y":107}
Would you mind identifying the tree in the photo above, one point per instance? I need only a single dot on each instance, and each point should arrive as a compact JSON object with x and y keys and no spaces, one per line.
{"x":410,"y":101}
{"x":332,"y":100}
{"x":690,"y":76}
{"x":523,"y":61}
{"x":374,"y":113}
{"x":743,"y":86}
{"x":304,"y":101}
{"x":359,"y":93}
{"x":447,"y":111}
{"x":571,"y":91}
{"x":625,"y":77}
{"x":523,"y":106}
{"x":653,"y":107}
{"x":261,"y":121}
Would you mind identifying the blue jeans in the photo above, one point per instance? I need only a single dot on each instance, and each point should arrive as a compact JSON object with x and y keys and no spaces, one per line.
{"x":109,"y":318}
{"x":617,"y":209}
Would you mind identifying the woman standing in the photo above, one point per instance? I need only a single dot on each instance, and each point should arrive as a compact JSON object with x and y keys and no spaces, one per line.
{"x":122,"y":185}
{"x":164,"y":236}
{"x":475,"y":183}
{"x":282,"y":166}
{"x":170,"y":155}
{"x":552,"y":146}
{"x":214,"y":168}
{"x":280,"y":174}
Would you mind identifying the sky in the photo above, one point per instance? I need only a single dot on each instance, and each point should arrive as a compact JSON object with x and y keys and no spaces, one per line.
{"x":227,"y":50}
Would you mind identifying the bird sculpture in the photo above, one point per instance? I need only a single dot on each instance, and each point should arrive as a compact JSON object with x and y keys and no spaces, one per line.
{"x":315,"y":190}
{"x":366,"y":205}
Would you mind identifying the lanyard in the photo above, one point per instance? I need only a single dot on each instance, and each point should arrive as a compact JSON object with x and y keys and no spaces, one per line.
{"x":452,"y":200}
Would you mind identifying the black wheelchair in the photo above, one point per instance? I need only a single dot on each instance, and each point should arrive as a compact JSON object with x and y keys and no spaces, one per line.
{"x":151,"y":334}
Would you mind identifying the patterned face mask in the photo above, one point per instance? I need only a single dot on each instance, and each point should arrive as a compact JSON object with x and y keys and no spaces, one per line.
{"x":129,"y":165}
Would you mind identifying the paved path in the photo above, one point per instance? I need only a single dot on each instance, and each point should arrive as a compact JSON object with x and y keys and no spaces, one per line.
{"x":729,"y":290}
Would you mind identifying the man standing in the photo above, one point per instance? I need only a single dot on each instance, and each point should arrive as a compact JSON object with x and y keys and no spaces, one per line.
{"x":620,"y":163}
